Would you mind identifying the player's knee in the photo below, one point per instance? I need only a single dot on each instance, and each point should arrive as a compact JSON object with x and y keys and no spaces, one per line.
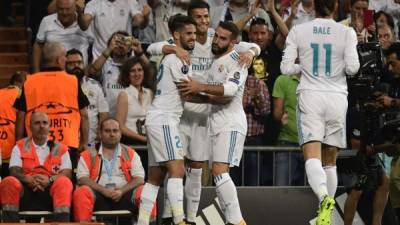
{"x":219,"y":168}
{"x":355,"y":194}
{"x":156,"y":175}
{"x":176,"y":168}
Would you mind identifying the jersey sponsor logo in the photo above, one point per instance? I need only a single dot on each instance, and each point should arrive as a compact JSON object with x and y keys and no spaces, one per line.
{"x":234,"y":81}
{"x":114,"y":86}
{"x":185,"y":69}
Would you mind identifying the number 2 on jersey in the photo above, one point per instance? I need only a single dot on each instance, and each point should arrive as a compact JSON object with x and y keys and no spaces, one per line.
{"x":328,"y":58}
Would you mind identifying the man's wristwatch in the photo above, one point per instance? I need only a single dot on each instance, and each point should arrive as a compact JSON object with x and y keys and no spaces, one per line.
{"x":52,"y":179}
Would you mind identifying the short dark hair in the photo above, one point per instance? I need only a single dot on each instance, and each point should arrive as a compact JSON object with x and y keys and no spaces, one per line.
{"x":389,"y":18}
{"x":394,"y":49}
{"x":230,"y":26}
{"x":179,"y":21}
{"x":126,"y":69}
{"x":108,"y":119}
{"x":258,"y":21}
{"x":74,"y":51}
{"x":197,"y":4}
{"x":325,"y":7}
{"x":352,"y":2}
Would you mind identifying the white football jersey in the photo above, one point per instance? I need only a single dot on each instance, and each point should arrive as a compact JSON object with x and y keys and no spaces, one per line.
{"x":98,"y":104}
{"x":111,"y":87}
{"x":327,"y":52}
{"x":167,"y":105}
{"x":201,"y":58}
{"x":231,"y":116}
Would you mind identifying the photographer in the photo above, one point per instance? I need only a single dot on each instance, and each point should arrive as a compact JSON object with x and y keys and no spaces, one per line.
{"x":372,"y":109}
{"x":393,"y":62}
{"x":370,"y":175}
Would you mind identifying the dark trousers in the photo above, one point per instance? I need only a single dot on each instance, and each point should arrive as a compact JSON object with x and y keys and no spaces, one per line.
{"x":4,"y":170}
{"x":35,"y":201}
{"x":74,"y":155}
{"x":126,"y":202}
{"x":103,"y":203}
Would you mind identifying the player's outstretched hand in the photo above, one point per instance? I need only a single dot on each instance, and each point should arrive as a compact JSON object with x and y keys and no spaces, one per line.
{"x":189,"y":86}
{"x":246,"y":59}
{"x":183,"y":55}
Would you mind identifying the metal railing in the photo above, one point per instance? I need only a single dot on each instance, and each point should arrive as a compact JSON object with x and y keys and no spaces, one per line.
{"x":347,"y":153}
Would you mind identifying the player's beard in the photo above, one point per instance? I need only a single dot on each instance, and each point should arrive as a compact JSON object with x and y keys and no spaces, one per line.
{"x":187,"y":47}
{"x":218,"y":50}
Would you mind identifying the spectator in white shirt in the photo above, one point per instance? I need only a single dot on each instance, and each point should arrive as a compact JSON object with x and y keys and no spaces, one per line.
{"x":98,"y":108}
{"x":301,"y":13}
{"x":106,"y":66}
{"x":133,"y":102}
{"x":60,"y":27}
{"x":107,"y":17}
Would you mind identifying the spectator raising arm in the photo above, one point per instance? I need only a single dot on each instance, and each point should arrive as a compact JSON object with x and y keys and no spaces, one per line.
{"x":283,"y":28}
{"x":84,"y":19}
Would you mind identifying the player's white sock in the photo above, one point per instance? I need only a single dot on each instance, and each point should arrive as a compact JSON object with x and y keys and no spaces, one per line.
{"x":167,"y":212}
{"x":192,"y":192}
{"x":331,"y":179}
{"x":227,"y":196}
{"x":175,"y":196}
{"x":147,"y":200}
{"x":316,"y":177}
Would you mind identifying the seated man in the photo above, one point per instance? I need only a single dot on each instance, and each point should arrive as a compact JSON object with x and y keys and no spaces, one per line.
{"x":40,"y":173}
{"x":110,"y":176}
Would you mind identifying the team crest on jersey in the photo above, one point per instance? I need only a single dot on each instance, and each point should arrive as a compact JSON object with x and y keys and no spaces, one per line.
{"x":185,"y":69}
{"x":122,"y":12}
{"x":221,"y":68}
{"x":236,"y":75}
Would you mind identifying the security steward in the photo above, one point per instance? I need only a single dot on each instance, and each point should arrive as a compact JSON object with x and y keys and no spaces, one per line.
{"x":8,"y":116}
{"x":40,"y":175}
{"x":59,"y":95}
{"x":111,"y":177}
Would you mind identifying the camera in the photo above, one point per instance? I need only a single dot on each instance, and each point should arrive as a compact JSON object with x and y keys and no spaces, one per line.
{"x":127,"y":40}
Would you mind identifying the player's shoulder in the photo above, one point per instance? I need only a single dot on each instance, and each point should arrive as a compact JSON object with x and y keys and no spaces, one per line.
{"x":172,"y":59}
{"x":233,"y":56}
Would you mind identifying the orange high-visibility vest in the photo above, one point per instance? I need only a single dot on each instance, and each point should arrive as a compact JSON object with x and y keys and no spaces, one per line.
{"x":7,"y":120}
{"x":55,"y":93}
{"x":92,"y":160}
{"x":30,"y":160}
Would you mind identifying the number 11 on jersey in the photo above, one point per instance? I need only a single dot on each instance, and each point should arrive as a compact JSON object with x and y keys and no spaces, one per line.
{"x":328,"y":58}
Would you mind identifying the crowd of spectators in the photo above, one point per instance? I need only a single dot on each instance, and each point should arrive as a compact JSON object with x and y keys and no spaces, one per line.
{"x":106,"y":43}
